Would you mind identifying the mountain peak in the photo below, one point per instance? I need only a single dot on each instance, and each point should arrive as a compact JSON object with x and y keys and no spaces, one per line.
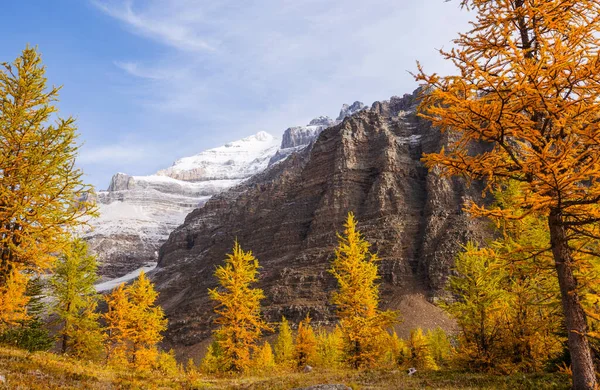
{"x":348,"y":110}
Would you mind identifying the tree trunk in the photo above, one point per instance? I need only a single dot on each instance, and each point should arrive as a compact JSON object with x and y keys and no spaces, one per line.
{"x":65,"y":339}
{"x":584,"y":377}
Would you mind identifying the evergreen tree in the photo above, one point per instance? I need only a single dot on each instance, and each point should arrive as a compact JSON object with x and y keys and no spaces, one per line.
{"x":508,"y":288}
{"x":357,"y":298}
{"x":527,"y":86}
{"x":40,"y":188}
{"x":72,"y":286}
{"x":238,"y":309}
{"x":134,"y":324}
{"x":305,"y":349}
{"x":284,"y":346}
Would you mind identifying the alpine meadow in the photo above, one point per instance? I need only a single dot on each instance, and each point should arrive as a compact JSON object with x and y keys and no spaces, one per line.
{"x":444,"y":238}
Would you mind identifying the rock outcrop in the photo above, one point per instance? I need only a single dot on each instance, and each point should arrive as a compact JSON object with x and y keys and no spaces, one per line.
{"x":289,"y":214}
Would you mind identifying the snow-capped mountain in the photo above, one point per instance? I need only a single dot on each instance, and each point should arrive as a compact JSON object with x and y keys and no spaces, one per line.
{"x":137,"y":213}
{"x":235,"y":160}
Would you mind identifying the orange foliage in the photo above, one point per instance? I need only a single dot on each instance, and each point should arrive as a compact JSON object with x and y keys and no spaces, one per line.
{"x":527,"y":90}
{"x":238,"y":307}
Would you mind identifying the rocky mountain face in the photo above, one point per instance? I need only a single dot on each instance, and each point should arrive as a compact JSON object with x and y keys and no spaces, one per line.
{"x":137,"y":213}
{"x":288,"y":215}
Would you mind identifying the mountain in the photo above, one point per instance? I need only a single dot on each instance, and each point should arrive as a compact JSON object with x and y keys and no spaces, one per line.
{"x":137,"y":213}
{"x":288,"y":215}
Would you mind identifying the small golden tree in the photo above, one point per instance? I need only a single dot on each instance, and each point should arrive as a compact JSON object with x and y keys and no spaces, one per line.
{"x":13,"y":300}
{"x":72,"y":286}
{"x":357,"y":298}
{"x":420,"y":354}
{"x":134,"y":324}
{"x":238,"y":309}
{"x":284,"y":346}
{"x":527,"y":85}
{"x":305,"y":350}
{"x":329,"y":347}
{"x":264,"y":360}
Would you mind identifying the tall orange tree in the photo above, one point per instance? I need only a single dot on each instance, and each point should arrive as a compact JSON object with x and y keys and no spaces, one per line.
{"x":528,"y":87}
{"x":40,"y":186}
{"x":238,"y":307}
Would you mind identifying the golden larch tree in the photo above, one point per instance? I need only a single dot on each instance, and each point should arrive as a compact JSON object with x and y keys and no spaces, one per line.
{"x":305,"y":348}
{"x":75,"y":301}
{"x":41,"y":190}
{"x":421,"y":356}
{"x":238,"y":309}
{"x":527,"y":88}
{"x":135,"y":324}
{"x":263,"y":359}
{"x":284,"y":346}
{"x":362,"y":323}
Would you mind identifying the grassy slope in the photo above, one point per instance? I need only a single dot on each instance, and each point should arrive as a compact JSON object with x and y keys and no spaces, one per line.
{"x":33,"y":371}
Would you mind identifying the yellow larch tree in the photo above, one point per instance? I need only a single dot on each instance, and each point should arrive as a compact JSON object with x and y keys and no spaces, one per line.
{"x":284,"y":346}
{"x":362,"y":323}
{"x":75,"y":301}
{"x":421,"y":356}
{"x":305,"y":348}
{"x":134,"y":324}
{"x":238,"y":309}
{"x":264,"y":360}
{"x":329,"y":347}
{"x":527,"y":87}
{"x":41,"y":190}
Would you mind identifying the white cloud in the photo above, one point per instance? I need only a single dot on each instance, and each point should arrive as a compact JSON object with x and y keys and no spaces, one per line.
{"x":245,"y":66}
{"x":152,"y":25}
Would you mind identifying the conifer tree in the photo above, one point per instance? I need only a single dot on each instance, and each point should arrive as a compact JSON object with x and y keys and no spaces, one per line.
{"x":329,"y":347}
{"x":439,"y":345}
{"x":31,"y":334}
{"x":480,"y":304}
{"x":305,"y":349}
{"x":13,"y":300}
{"x":420,"y":355}
{"x":284,"y":346}
{"x":527,"y":85}
{"x":72,"y":286}
{"x":264,"y":360}
{"x":41,"y":190}
{"x":134,"y":324}
{"x":357,"y":298}
{"x":238,"y":309}
{"x":212,"y":362}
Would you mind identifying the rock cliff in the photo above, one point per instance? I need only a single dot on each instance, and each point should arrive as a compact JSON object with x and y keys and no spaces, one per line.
{"x":288,"y":216}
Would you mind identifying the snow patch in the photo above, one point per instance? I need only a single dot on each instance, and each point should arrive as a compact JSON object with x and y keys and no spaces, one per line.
{"x":114,"y":283}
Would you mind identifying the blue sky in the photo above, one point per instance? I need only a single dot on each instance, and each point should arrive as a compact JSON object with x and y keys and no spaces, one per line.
{"x":155,"y":80}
